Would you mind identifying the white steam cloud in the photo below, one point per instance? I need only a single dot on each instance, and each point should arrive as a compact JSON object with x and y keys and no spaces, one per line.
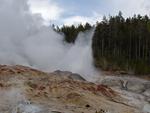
{"x":25,"y":41}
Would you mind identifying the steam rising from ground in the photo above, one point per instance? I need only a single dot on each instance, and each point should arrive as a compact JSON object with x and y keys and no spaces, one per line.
{"x":14,"y":101}
{"x":25,"y":41}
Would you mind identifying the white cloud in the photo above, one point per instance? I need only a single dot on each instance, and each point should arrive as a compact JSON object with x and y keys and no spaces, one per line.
{"x":48,"y":9}
{"x":82,"y":19}
{"x":131,"y":7}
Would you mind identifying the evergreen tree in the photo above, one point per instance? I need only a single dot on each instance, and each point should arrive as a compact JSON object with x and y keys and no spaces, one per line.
{"x":123,"y":44}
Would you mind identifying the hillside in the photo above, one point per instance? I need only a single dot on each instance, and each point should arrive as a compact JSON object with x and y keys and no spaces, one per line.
{"x":26,"y":90}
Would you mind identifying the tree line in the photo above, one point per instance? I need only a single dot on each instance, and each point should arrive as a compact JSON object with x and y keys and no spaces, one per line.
{"x":118,"y":44}
{"x":123,"y":44}
{"x":71,"y":32}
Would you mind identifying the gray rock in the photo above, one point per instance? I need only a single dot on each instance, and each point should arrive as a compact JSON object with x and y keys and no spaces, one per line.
{"x":147,"y":93}
{"x":136,"y":87}
{"x":129,"y":84}
{"x":146,"y":108}
{"x":70,"y":75}
{"x":111,"y":82}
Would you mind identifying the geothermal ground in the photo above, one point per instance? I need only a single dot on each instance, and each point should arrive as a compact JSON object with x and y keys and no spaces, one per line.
{"x":26,"y":90}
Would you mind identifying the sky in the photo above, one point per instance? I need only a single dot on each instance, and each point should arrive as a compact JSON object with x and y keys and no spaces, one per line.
{"x":70,"y":12}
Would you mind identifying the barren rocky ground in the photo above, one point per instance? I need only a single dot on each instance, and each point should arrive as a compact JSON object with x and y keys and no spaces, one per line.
{"x":26,"y":90}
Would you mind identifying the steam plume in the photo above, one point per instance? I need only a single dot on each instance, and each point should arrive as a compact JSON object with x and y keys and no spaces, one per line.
{"x":25,"y":41}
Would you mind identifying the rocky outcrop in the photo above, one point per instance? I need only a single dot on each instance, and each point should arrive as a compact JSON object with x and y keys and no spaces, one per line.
{"x":126,"y":83}
{"x":135,"y":90}
{"x":69,"y":75}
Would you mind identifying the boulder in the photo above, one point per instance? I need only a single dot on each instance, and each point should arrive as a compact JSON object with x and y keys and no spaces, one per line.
{"x":136,"y":87}
{"x":69,"y":75}
{"x":111,"y":82}
{"x":147,"y":93}
{"x":146,"y":108}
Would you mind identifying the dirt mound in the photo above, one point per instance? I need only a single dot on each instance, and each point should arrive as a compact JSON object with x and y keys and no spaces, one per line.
{"x":18,"y":69}
{"x":27,"y":90}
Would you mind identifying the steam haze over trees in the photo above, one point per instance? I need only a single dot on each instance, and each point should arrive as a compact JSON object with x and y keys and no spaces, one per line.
{"x":118,"y":44}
